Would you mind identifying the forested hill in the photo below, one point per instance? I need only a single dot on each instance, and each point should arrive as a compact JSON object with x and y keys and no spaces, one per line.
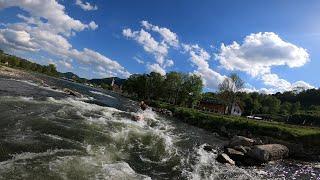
{"x":117,"y":81}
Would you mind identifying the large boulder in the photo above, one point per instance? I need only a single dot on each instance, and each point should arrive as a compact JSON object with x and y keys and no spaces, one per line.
{"x":241,"y":141}
{"x":234,"y":154}
{"x":269,"y":152}
{"x":243,"y":149}
{"x":225,"y":159}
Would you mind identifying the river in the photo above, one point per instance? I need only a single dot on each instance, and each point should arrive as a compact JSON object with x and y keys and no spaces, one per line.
{"x":46,"y":134}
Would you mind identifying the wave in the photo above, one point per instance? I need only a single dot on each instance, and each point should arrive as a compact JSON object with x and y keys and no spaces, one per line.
{"x":102,"y":94}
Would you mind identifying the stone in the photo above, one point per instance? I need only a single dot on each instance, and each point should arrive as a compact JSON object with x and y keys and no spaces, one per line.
{"x":269,"y":152}
{"x":72,"y":93}
{"x":234,"y":154}
{"x":209,"y":148}
{"x":242,"y":149}
{"x":241,"y":141}
{"x":225,"y":159}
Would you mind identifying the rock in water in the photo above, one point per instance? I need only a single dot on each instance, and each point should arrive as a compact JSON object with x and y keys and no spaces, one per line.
{"x":234,"y":154}
{"x":243,"y":149}
{"x":209,"y":148}
{"x":269,"y":152}
{"x":241,"y":141}
{"x":224,"y":158}
{"x":72,"y":93}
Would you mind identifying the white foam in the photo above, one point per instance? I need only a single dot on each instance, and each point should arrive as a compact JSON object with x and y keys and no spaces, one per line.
{"x":102,"y":94}
{"x":121,"y":170}
{"x":38,"y":85}
{"x":206,"y":167}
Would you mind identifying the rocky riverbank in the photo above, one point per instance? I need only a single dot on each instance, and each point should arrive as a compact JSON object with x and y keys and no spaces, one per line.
{"x":302,"y":142}
{"x":243,"y":151}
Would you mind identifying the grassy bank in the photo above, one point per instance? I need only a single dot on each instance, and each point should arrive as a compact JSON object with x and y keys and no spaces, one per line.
{"x":223,"y":124}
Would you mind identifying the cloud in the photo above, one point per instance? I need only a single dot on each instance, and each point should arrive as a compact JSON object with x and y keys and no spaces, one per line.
{"x":282,"y":84}
{"x":168,"y":36}
{"x":18,"y":39}
{"x":140,"y":61}
{"x":51,"y":36}
{"x":65,"y":64}
{"x":93,"y":25}
{"x":86,"y":5}
{"x":156,"y":68}
{"x":159,"y":49}
{"x":199,"y":58}
{"x":52,"y":11}
{"x":259,"y":53}
{"x":150,"y":45}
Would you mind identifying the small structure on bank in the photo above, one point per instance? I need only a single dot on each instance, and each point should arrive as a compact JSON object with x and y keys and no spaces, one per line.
{"x":115,"y":87}
{"x":220,"y":107}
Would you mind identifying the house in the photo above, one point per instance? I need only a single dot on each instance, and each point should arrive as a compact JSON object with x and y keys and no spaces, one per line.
{"x":219,"y":106}
{"x":213,"y":105}
{"x":236,"y":109}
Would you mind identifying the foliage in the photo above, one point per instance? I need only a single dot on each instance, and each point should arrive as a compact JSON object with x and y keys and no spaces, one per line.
{"x":229,"y":87}
{"x":175,"y":88}
{"x":17,"y":62}
{"x":307,"y":135}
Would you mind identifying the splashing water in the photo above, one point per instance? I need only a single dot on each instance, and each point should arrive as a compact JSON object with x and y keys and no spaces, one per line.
{"x":52,"y":136}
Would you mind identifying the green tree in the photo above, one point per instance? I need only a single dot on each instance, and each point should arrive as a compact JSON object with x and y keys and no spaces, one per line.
{"x":270,"y":105}
{"x":229,"y":87}
{"x":285,"y":108}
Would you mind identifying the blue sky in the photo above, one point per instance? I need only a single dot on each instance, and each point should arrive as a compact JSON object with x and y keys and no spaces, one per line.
{"x":275,"y":49}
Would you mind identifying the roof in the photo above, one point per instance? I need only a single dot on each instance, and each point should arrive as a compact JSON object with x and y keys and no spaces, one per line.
{"x":213,"y":101}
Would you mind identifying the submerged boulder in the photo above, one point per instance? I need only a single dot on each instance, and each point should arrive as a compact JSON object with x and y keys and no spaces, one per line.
{"x":72,"y":93}
{"x":225,"y":159}
{"x":241,"y":141}
{"x":269,"y":152}
{"x":209,"y":148}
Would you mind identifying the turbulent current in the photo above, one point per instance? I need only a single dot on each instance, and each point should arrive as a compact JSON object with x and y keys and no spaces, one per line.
{"x":45,"y":134}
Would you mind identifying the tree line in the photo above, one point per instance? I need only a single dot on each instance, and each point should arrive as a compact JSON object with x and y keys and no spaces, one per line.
{"x":16,"y":62}
{"x":175,"y":87}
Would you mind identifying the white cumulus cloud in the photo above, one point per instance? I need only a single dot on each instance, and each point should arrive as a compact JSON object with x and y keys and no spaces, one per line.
{"x":258,"y":53}
{"x":168,"y":36}
{"x":158,"y":48}
{"x":34,"y":34}
{"x":156,"y":68}
{"x":86,"y":5}
{"x":199,"y":58}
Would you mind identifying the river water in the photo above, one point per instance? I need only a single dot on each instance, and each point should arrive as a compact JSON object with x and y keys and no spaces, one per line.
{"x":45,"y":134}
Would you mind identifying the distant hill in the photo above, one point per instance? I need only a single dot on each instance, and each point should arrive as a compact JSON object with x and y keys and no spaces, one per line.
{"x":70,"y":75}
{"x":117,"y":81}
{"x":17,"y":62}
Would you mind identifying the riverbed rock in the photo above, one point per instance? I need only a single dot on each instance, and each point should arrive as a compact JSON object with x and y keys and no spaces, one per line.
{"x":235,"y":155}
{"x":225,"y":159}
{"x":243,"y":149}
{"x":209,"y":148}
{"x":241,"y":141}
{"x":269,"y":152}
{"x":165,"y":112}
{"x":72,"y":93}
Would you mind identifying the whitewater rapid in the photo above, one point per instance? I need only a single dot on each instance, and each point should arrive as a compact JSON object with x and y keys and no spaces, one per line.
{"x":46,"y":134}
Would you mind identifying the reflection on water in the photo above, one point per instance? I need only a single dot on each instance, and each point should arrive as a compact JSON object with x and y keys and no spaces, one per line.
{"x":47,"y":135}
